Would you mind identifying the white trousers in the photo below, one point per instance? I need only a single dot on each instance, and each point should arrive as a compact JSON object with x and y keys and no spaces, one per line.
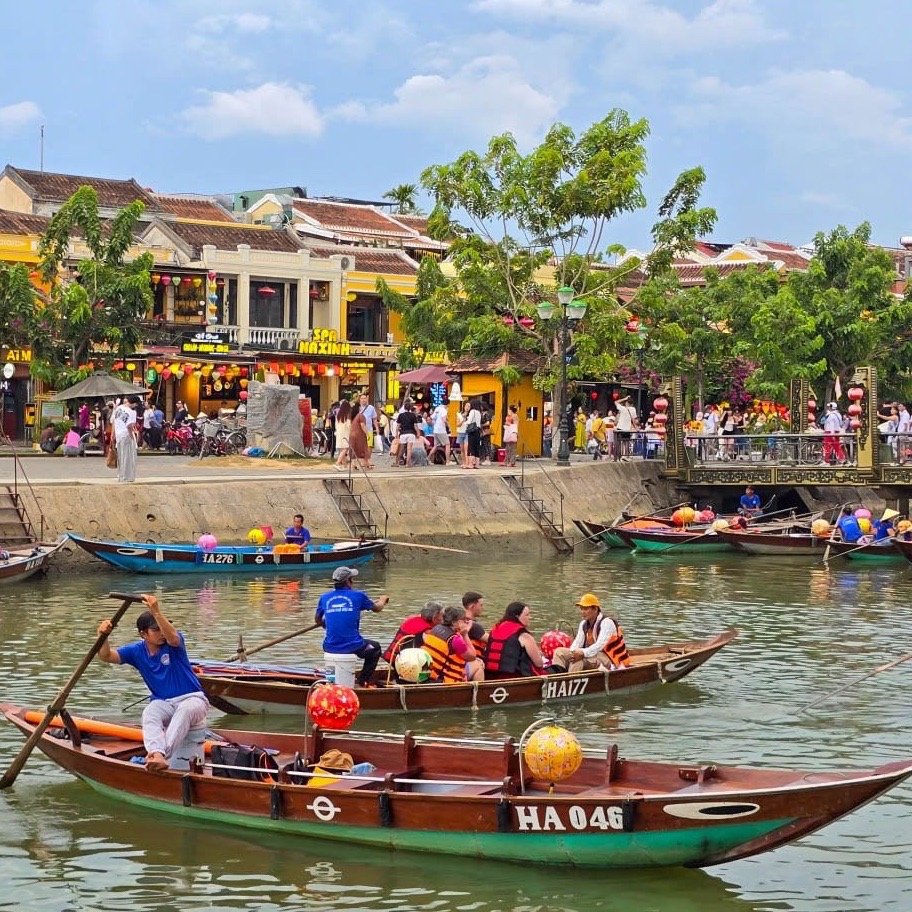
{"x":165,"y":723}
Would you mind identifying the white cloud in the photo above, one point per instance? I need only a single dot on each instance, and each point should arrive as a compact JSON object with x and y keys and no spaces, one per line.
{"x":21,"y":114}
{"x":722,"y":23}
{"x":487,"y":95}
{"x":275,"y":109}
{"x":240,"y":22}
{"x":817,"y":107}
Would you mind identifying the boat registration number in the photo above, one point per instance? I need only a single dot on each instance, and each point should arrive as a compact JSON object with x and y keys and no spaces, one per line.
{"x":575,"y":687}
{"x":575,"y":817}
{"x":33,"y":564}
{"x":221,"y":559}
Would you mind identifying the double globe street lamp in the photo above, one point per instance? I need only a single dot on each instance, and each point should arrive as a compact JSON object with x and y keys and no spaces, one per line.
{"x":571,"y":311}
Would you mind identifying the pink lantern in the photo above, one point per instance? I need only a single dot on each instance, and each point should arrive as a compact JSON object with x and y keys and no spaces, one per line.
{"x":166,"y":280}
{"x":187,"y":369}
{"x":660,"y":404}
{"x":242,"y":395}
{"x":212,"y":274}
{"x":854,"y":424}
{"x":660,"y":418}
{"x":207,"y":542}
{"x":862,"y":513}
{"x":526,"y":322}
{"x":166,"y":373}
{"x":811,"y":418}
{"x":812,"y":405}
{"x":856,"y":393}
{"x":854,"y":409}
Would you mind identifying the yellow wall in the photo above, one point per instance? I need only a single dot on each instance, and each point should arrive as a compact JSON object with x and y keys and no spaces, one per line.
{"x":363,"y":282}
{"x":522,"y":394}
{"x":14,"y":198}
{"x":18,"y":248}
{"x":263,"y":210}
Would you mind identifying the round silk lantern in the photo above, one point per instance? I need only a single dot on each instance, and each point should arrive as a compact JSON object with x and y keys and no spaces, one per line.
{"x":720,"y":525}
{"x":413,"y":665}
{"x":706,"y":516}
{"x":903,"y":526}
{"x":256,"y":537}
{"x":553,"y":753}
{"x":856,"y":393}
{"x":677,"y":518}
{"x":863,"y":513}
{"x":553,"y":639}
{"x":820,"y":528}
{"x":854,"y":409}
{"x":243,"y":395}
{"x":166,"y":280}
{"x":332,"y":706}
{"x":864,"y":524}
{"x":660,"y":404}
{"x":207,"y":542}
{"x":854,"y":424}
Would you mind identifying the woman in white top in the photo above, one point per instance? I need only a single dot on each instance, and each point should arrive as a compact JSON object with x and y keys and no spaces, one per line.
{"x":473,"y":435}
{"x":343,"y":430}
{"x":511,"y":435}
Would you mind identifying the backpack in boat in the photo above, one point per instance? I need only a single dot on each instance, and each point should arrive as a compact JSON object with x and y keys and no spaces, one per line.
{"x":243,"y":761}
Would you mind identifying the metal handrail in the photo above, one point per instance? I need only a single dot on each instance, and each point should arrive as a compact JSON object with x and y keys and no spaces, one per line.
{"x":560,"y":493}
{"x":774,"y":447}
{"x":17,"y":497}
{"x":374,"y":491}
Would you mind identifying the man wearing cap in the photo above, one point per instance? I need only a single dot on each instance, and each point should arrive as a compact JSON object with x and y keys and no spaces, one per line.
{"x":599,"y":641}
{"x":339,"y":612}
{"x":160,"y":656}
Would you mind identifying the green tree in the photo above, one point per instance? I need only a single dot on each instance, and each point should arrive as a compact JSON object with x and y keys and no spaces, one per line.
{"x":18,"y":305}
{"x":405,"y":198}
{"x":99,"y":304}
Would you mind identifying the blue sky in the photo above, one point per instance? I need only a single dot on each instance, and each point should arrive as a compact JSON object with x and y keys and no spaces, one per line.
{"x":798,"y":111}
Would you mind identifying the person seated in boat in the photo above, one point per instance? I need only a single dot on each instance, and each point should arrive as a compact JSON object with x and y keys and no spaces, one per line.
{"x":296,"y":534}
{"x":411,"y":631}
{"x":848,"y":526}
{"x":339,"y":611}
{"x":160,"y":656}
{"x":473,"y":602}
{"x":750,"y":503}
{"x":599,"y":641}
{"x":450,"y":649}
{"x":883,"y":528}
{"x":512,"y":651}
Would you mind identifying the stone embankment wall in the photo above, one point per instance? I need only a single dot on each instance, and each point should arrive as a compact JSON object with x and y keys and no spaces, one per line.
{"x":466,"y":510}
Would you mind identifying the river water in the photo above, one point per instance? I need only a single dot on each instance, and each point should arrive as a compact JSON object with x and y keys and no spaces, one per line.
{"x":805,"y":630}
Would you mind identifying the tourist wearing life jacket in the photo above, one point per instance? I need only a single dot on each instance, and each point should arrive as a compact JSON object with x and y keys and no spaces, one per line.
{"x":512,"y":651}
{"x":599,"y":641}
{"x":448,"y":646}
{"x":473,"y":602}
{"x":412,"y":630}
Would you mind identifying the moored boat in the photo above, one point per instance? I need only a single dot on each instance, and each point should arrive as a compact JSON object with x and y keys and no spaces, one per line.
{"x":478,"y":800}
{"x":659,"y":539}
{"x":18,"y":564}
{"x":878,"y":552}
{"x":235,"y":688}
{"x":903,"y":547}
{"x":151,"y":557}
{"x":786,"y":543}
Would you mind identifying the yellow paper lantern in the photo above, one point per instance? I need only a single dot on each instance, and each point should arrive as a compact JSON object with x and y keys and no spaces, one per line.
{"x":256,"y":537}
{"x":820,"y":528}
{"x":903,"y":526}
{"x":131,"y":366}
{"x":243,"y":383}
{"x":720,"y":524}
{"x":553,"y":753}
{"x":865,"y":525}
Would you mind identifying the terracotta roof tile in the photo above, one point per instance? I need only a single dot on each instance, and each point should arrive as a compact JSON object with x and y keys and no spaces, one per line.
{"x":115,"y":194}
{"x":18,"y":223}
{"x":527,"y":362}
{"x":368,"y":259}
{"x":227,"y":237}
{"x":194,"y":207}
{"x":791,"y":260}
{"x":350,"y":217}
{"x":417,"y":223}
{"x":696,"y":274}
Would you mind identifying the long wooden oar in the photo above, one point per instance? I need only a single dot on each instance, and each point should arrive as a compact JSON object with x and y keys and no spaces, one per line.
{"x":400,"y":544}
{"x":840,"y":690}
{"x":241,"y":654}
{"x":9,"y":777}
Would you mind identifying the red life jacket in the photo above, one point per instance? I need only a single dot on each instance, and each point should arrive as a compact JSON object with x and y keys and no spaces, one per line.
{"x":447,"y":666}
{"x":408,"y":635}
{"x":505,"y":655}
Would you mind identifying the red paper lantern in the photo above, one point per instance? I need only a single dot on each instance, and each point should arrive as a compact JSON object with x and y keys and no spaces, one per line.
{"x":187,"y":369}
{"x":812,"y":405}
{"x":526,"y":322}
{"x":553,"y":639}
{"x":811,"y":417}
{"x":856,"y":393}
{"x":854,"y":424}
{"x":166,"y":373}
{"x":632,"y":325}
{"x":333,"y":706}
{"x":593,"y":395}
{"x":266,"y":291}
{"x":242,"y":395}
{"x":660,"y":418}
{"x":660,"y":404}
{"x":854,"y":409}
{"x":615,"y":395}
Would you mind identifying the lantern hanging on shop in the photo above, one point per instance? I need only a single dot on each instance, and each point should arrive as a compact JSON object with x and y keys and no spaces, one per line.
{"x":186,"y":280}
{"x":211,"y":274}
{"x":175,"y":280}
{"x":166,"y":374}
{"x":856,"y":393}
{"x":198,"y":374}
{"x":131,"y":366}
{"x":197,"y":282}
{"x":289,"y":367}
{"x":660,"y":404}
{"x":155,"y":277}
{"x":187,"y":369}
{"x":243,"y":383}
{"x":151,"y":375}
{"x":242,"y":395}
{"x":245,"y":371}
{"x":211,"y":287}
{"x":166,"y":280}
{"x":854,"y":409}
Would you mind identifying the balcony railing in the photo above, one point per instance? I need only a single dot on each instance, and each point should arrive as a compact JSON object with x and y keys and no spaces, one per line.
{"x":776,"y":448}
{"x":269,"y":337}
{"x":896,"y":449}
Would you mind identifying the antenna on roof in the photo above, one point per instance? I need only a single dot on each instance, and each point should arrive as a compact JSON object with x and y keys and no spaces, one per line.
{"x":41,"y":150}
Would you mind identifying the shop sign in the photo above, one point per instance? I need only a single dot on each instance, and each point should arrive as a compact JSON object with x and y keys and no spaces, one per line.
{"x":15,"y":355}
{"x":327,"y":342}
{"x":206,"y":343}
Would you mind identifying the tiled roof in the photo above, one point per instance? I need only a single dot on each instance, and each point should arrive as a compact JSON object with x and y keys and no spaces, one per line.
{"x":350,"y":217}
{"x":775,"y":245}
{"x":696,"y":274}
{"x":227,"y":237}
{"x":368,"y":259}
{"x":194,"y":207}
{"x":115,"y":194}
{"x":791,"y":260}
{"x":417,"y":223}
{"x":526,"y":362}
{"x":17,"y":223}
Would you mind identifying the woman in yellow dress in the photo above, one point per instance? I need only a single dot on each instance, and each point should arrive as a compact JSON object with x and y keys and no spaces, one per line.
{"x":579,"y":441}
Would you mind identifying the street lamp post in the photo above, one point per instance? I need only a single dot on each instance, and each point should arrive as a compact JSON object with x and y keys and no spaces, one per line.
{"x":574,"y":311}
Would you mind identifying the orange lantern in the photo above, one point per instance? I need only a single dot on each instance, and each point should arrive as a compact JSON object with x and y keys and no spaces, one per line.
{"x":243,"y":383}
{"x":155,"y":277}
{"x":333,"y":706}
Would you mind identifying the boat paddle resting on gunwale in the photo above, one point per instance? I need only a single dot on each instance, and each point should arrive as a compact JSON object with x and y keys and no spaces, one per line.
{"x":877,"y":552}
{"x":477,"y":800}
{"x":149,"y":557}
{"x":235,"y":688}
{"x":17,"y":564}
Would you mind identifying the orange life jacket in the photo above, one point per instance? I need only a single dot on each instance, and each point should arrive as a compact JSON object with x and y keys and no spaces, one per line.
{"x":408,"y":635}
{"x":478,"y":644}
{"x":615,"y":648}
{"x":446,"y":666}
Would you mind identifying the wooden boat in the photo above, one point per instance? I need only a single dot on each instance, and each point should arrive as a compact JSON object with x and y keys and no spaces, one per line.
{"x":478,"y":800}
{"x":658,"y":539}
{"x":903,"y":547}
{"x":235,"y":688}
{"x":26,"y":561}
{"x":149,"y":557}
{"x":785,"y":542}
{"x":879,"y":552}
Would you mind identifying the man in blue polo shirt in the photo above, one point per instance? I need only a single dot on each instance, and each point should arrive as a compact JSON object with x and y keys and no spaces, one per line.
{"x":848,"y":526}
{"x":296,"y":534}
{"x":160,"y":656}
{"x":750,"y":503}
{"x":339,"y":612}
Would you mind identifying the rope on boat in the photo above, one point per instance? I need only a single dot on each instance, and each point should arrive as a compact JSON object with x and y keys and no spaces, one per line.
{"x":402,"y":702}
{"x":606,"y":671}
{"x":474,"y":694}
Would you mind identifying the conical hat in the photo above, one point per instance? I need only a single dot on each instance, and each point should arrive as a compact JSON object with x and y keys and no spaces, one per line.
{"x":888,"y":515}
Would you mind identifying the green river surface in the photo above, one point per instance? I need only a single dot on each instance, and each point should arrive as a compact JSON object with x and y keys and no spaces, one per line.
{"x":805,"y":630}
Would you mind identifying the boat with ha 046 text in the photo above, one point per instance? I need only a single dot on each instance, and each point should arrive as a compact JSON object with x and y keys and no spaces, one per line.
{"x":253,"y":688}
{"x":477,"y":799}
{"x":151,"y":557}
{"x":19,"y":563}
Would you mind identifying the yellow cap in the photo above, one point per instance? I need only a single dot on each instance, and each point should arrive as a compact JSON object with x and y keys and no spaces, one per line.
{"x":589,"y":600}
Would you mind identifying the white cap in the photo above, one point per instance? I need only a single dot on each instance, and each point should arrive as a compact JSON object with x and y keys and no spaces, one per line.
{"x":341,"y":574}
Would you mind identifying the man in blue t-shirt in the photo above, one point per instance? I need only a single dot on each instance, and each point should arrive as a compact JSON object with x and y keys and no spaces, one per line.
{"x":848,"y":526}
{"x":339,"y":612}
{"x":178,"y":702}
{"x":296,"y":534}
{"x":750,"y":503}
